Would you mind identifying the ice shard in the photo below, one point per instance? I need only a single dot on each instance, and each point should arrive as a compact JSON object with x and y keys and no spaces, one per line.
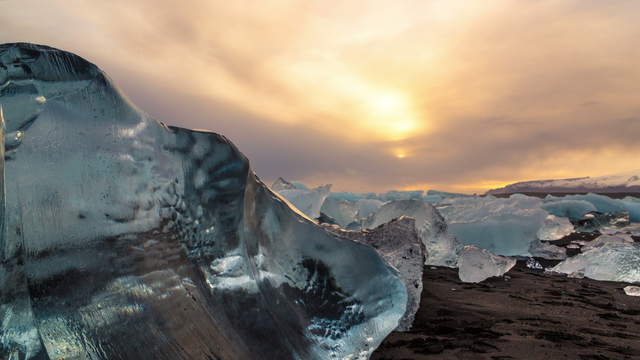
{"x":128,"y":239}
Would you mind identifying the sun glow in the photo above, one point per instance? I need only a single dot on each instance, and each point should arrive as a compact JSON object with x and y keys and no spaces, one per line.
{"x":393,"y":115}
{"x":400,"y":153}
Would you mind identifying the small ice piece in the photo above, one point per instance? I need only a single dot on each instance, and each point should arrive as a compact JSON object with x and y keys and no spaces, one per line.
{"x":309,"y":202}
{"x":399,"y":244}
{"x":547,"y":251}
{"x":632,"y":290}
{"x":442,"y":247}
{"x":534,"y":264}
{"x":476,"y":265}
{"x":613,"y":260}
{"x":555,"y":228}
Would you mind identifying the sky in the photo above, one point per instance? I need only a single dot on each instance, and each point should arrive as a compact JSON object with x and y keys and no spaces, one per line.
{"x":372,"y":95}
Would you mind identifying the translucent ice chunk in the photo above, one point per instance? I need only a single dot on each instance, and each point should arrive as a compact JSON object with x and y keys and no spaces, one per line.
{"x":547,"y":251}
{"x":476,"y":265}
{"x":397,"y":242}
{"x":309,"y":202}
{"x":555,"y":228}
{"x":128,"y":239}
{"x":367,"y":207}
{"x":572,"y":209}
{"x":612,"y":260}
{"x":442,"y":248}
{"x":605,"y":204}
{"x":502,"y":226}
{"x":344,"y":212}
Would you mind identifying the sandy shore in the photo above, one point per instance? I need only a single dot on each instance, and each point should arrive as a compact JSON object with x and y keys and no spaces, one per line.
{"x":526,"y":315}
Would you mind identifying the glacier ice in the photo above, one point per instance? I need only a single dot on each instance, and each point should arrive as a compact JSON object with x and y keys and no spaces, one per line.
{"x":555,"y":228}
{"x":604,"y":204}
{"x":476,"y":264}
{"x":611,"y":258}
{"x":129,"y":239}
{"x":442,"y":248}
{"x":397,"y":242}
{"x":503,"y":226}
{"x":572,"y":209}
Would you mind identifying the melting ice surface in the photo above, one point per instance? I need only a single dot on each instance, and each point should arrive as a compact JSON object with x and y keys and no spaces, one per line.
{"x":128,"y":239}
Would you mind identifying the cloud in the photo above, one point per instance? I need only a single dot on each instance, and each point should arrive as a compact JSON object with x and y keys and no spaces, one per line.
{"x":374,"y":94}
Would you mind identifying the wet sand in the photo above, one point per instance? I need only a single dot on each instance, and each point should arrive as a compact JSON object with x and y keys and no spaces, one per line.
{"x":526,"y":315}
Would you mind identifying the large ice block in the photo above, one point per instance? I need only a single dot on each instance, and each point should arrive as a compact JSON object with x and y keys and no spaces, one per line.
{"x":442,"y":248}
{"x":129,"y":239}
{"x":502,"y":226}
{"x":610,"y":258}
{"x":605,"y":204}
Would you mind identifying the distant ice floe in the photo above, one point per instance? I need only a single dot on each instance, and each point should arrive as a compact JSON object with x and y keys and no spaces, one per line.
{"x":519,"y":225}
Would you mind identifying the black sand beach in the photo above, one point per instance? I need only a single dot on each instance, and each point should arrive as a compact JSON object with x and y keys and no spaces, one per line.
{"x":526,"y":315}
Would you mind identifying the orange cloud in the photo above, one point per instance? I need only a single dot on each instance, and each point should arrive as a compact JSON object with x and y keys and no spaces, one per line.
{"x":374,"y":94}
